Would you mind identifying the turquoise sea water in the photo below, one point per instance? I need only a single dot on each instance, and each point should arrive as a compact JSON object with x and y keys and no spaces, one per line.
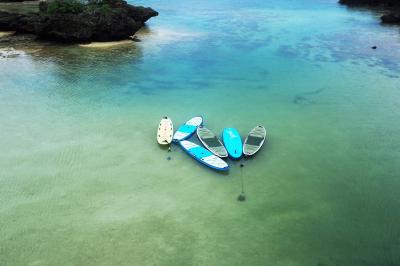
{"x":83,"y":182}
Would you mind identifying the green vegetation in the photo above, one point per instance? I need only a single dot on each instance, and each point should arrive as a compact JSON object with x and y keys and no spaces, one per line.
{"x":19,"y":8}
{"x":78,"y":6}
{"x":104,"y":2}
{"x":69,"y":6}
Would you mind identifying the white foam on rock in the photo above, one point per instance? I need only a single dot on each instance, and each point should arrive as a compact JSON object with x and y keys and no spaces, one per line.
{"x":10,"y":52}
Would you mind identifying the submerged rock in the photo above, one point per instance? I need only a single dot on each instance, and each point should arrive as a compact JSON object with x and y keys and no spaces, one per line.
{"x":241,"y":197}
{"x":82,"y":24}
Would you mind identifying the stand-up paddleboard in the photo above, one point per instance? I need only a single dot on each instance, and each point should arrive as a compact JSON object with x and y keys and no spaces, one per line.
{"x":211,"y":142}
{"x":187,"y":130}
{"x":204,"y":156}
{"x":232,"y":142}
{"x":165,"y":131}
{"x":254,"y":140}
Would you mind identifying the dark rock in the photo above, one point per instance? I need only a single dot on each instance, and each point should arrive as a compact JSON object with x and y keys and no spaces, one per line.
{"x":389,"y":3}
{"x":374,"y":47}
{"x":391,"y":7}
{"x":21,"y":23}
{"x":134,"y":38}
{"x":43,"y":5}
{"x":391,"y":19}
{"x":360,"y":2}
{"x":9,"y":21}
{"x":94,"y":24}
{"x":140,"y":13}
{"x":241,"y":197}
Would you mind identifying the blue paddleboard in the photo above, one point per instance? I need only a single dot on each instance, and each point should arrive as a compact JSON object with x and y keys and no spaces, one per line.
{"x":187,"y":129}
{"x":204,"y":156}
{"x":232,"y":142}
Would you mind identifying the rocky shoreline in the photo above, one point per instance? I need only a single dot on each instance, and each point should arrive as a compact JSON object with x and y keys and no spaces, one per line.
{"x":73,"y":22}
{"x":390,"y":8}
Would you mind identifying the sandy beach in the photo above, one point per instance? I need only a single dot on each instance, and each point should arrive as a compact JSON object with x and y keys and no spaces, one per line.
{"x":106,"y":44}
{"x":6,"y":33}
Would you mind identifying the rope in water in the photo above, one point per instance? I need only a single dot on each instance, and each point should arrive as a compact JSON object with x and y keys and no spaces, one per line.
{"x":241,"y":197}
{"x":241,"y":177}
{"x":169,"y":150}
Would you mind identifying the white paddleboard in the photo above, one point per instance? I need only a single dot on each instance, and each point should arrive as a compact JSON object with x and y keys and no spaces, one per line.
{"x":211,"y":142}
{"x":165,"y":131}
{"x":254,"y":140}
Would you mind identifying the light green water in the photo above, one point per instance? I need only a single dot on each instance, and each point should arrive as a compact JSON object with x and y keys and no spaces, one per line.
{"x":83,"y":182}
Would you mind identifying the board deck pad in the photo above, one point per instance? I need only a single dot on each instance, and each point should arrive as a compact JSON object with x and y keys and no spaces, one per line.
{"x":165,"y":131}
{"x":211,"y":142}
{"x":204,"y":156}
{"x":187,"y":129}
{"x":254,"y":140}
{"x":232,"y":142}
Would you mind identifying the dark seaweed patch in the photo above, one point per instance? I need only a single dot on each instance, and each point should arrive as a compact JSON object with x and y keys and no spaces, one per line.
{"x":287,"y":51}
{"x":304,"y":98}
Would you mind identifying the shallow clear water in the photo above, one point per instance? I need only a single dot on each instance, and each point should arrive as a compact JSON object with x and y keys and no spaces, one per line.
{"x":83,"y":182}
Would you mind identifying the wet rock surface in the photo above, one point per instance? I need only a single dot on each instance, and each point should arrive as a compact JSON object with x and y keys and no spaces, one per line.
{"x":10,"y":53}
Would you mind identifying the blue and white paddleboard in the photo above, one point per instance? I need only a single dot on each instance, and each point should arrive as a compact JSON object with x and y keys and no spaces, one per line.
{"x":232,"y":142}
{"x":188,"y":129}
{"x":204,"y":156}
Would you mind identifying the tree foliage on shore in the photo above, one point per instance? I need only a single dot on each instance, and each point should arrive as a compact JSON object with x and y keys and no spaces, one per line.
{"x":68,"y":6}
{"x":78,"y":6}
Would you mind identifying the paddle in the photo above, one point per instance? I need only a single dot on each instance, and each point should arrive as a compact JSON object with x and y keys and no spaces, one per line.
{"x":241,"y":197}
{"x":169,"y":150}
